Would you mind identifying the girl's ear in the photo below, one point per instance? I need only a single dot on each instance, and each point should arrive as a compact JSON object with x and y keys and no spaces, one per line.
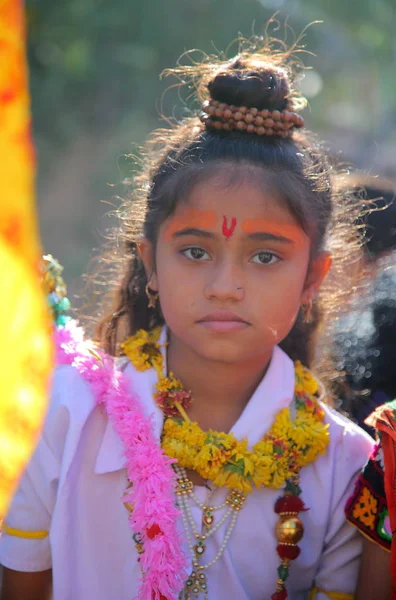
{"x":146,"y":253}
{"x":318,"y":269}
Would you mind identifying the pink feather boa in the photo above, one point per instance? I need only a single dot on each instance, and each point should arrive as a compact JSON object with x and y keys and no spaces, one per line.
{"x":152,"y":495}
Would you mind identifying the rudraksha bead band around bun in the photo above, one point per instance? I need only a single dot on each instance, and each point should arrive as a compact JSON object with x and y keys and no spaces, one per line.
{"x":218,"y":115}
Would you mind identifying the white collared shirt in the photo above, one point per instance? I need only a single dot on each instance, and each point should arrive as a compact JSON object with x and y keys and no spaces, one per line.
{"x":75,"y":481}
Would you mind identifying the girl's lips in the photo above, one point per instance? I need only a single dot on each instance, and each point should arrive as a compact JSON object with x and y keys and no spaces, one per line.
{"x":223,"y":321}
{"x":224,"y":326}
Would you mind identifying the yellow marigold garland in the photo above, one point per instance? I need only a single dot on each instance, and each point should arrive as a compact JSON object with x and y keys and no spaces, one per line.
{"x":289,"y":445}
{"x":143,"y":350}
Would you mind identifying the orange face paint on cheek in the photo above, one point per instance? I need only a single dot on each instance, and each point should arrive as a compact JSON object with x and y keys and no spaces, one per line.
{"x":191,"y":218}
{"x":292,"y":232}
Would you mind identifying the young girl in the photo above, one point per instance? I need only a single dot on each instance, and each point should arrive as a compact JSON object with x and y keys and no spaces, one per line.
{"x":203,"y":464}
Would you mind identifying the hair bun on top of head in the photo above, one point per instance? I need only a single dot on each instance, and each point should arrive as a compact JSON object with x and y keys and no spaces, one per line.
{"x":255,"y":99}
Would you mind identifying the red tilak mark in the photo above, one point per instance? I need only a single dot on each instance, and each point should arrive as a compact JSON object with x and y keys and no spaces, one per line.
{"x":228,"y":231}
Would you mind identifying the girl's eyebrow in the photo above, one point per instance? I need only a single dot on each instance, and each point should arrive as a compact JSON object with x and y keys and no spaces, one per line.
{"x":265,"y":236}
{"x":192,"y":219}
{"x":267,"y":230}
{"x":193,"y":231}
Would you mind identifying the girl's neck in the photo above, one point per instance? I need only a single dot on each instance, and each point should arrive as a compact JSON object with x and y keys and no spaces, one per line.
{"x":220,"y":391}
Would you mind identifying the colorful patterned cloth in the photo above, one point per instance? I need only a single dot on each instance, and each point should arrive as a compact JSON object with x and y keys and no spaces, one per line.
{"x":367,"y":508}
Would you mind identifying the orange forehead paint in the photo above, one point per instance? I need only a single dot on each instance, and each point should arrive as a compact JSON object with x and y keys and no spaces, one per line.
{"x":191,"y":218}
{"x":292,"y":232}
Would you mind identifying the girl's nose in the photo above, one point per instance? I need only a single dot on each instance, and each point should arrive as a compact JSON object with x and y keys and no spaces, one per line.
{"x":226,"y":283}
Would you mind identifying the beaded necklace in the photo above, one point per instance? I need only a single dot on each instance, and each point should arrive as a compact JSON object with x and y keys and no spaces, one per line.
{"x":273,"y":462}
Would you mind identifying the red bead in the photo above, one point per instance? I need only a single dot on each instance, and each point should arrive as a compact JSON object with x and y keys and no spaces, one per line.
{"x":279,"y":595}
{"x":286,"y":551}
{"x":289,"y":504}
{"x":153,"y":531}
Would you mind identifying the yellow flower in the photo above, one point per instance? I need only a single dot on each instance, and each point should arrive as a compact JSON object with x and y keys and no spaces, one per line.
{"x":143,"y":350}
{"x":233,"y":480}
{"x":169,"y":384}
{"x":305,"y":381}
{"x":175,"y":448}
{"x":262,"y":471}
{"x":282,"y":424}
{"x":209,"y":460}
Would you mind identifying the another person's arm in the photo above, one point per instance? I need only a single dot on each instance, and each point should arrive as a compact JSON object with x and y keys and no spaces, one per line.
{"x":338,"y":567}
{"x":367,"y":511}
{"x":29,"y":586}
{"x":374,"y":579}
{"x":25,"y":551}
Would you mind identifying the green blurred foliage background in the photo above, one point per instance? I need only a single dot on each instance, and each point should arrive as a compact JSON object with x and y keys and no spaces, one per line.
{"x":96,"y":92}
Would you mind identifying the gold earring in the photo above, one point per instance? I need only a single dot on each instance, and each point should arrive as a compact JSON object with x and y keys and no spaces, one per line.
{"x":306,"y":309}
{"x":152,"y":297}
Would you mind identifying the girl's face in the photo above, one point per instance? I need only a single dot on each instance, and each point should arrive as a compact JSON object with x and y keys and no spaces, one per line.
{"x":232,"y":268}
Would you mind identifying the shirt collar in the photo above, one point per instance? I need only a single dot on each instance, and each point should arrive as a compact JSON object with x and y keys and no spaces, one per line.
{"x":274,"y":392}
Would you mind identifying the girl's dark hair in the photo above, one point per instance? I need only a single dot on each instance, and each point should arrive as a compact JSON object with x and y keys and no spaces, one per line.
{"x":178,"y":158}
{"x":378,"y":223}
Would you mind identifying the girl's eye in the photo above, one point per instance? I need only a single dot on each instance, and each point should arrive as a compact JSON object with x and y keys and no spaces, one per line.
{"x":265,"y":258}
{"x":196,"y":253}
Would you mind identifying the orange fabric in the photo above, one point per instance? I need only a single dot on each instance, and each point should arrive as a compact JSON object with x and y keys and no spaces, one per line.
{"x":25,"y":340}
{"x":384,"y":420}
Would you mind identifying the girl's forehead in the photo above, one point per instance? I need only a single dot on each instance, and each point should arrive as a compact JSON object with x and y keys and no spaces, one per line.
{"x":243,"y":210}
{"x":241,"y":200}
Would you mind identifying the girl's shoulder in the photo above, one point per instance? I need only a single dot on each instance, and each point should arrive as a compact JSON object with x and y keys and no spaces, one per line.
{"x":69,"y":391}
{"x":71,"y":403}
{"x":76,"y":386}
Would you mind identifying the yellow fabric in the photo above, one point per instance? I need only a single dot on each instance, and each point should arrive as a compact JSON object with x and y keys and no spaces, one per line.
{"x":25,"y":341}
{"x":30,"y":535}
{"x":331,"y":595}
